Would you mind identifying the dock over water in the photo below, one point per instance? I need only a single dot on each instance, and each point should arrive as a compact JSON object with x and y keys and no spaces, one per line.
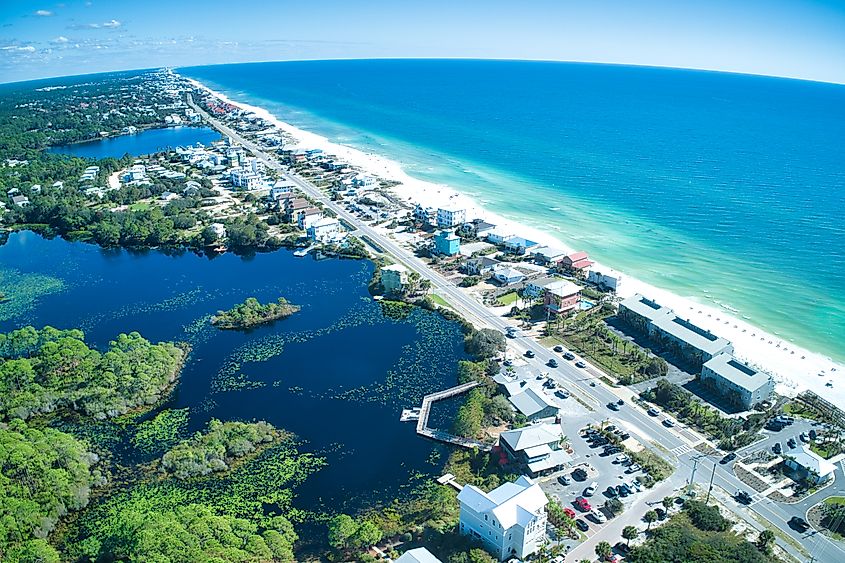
{"x":440,"y":435}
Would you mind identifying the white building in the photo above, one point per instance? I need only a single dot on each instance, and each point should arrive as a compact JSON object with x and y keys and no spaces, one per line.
{"x":306,"y":218}
{"x":811,"y":466}
{"x":448,"y":218}
{"x":324,"y":230}
{"x":245,"y":179}
{"x":364,"y":181}
{"x":609,"y":281}
{"x":510,"y":520}
{"x":425,"y":215}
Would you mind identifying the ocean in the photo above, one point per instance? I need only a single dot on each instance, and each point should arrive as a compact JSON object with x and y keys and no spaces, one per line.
{"x":727,"y":189}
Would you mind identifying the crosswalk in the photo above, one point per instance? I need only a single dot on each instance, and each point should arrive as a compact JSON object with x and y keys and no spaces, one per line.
{"x":681,"y":450}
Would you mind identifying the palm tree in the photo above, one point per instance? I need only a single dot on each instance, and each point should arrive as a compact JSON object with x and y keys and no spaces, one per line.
{"x":650,"y":517}
{"x":630,"y":533}
{"x":764,"y":540}
{"x":667,"y":503}
{"x":603,"y":550}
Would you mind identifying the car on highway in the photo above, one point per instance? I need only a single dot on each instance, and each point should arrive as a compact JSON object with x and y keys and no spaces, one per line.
{"x":580,"y":364}
{"x":569,"y":356}
{"x":620,"y":402}
{"x":611,"y":492}
{"x":728,"y":458}
{"x":564,"y":480}
{"x":511,"y":332}
{"x":613,"y":406}
{"x":668,"y":422}
{"x":798,"y":523}
{"x":583,"y":504}
{"x":653,"y":411}
{"x":558,"y":348}
{"x":583,"y":526}
{"x":529,"y":354}
{"x":552,"y":363}
{"x":743,"y":497}
{"x":589,"y":491}
{"x":598,"y":516}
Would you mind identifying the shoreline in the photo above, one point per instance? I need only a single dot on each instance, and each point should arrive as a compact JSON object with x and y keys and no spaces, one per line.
{"x":794,"y":368}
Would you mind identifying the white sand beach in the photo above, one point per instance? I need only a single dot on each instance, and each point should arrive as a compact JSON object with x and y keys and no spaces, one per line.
{"x":794,"y":369}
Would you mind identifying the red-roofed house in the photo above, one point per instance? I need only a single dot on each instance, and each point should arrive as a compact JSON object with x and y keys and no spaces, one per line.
{"x":577,"y":263}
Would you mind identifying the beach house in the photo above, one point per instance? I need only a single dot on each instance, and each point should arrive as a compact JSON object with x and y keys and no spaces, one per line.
{"x":510,"y":520}
{"x":507,"y":275}
{"x":20,"y":200}
{"x":561,"y":297}
{"x":426,"y":216}
{"x":450,"y":218}
{"x":394,"y":278}
{"x":576,"y":263}
{"x":447,"y":243}
{"x":480,"y":266}
{"x":548,"y":256}
{"x":536,"y":447}
{"x":519,"y":245}
{"x":476,"y":228}
{"x":742,"y":385}
{"x":305,"y":218}
{"x":605,"y":281}
{"x":535,"y":287}
{"x":325,"y":229}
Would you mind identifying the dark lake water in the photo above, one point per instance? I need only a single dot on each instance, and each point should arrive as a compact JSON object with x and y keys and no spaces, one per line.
{"x":337,"y":373}
{"x":145,"y":142}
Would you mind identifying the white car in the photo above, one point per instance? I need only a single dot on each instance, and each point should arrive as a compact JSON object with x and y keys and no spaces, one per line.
{"x":589,"y":491}
{"x":621,"y":458}
{"x":598,"y":515}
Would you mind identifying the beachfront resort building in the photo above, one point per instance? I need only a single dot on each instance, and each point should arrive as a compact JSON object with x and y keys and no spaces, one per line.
{"x":510,"y":520}
{"x":418,"y":555}
{"x":325,"y":229}
{"x":447,"y":242}
{"x":576,"y":263}
{"x":450,"y":218}
{"x":561,"y":297}
{"x":605,"y":281}
{"x":426,"y":216}
{"x":810,"y":466}
{"x":537,"y":447}
{"x":689,"y":343}
{"x":394,"y":278}
{"x":742,"y":385}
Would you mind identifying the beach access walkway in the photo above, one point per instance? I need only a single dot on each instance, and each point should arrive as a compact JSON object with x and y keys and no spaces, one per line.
{"x":440,"y":435}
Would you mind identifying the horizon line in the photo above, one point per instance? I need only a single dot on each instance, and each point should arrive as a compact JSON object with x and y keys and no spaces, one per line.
{"x":455,"y":58}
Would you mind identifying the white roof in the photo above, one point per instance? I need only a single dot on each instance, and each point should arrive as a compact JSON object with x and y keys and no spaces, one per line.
{"x":808,"y":459}
{"x":396,"y":268}
{"x":324,"y":222}
{"x":531,"y":436}
{"x":530,"y":402}
{"x":418,"y":555}
{"x":563,"y":288}
{"x":737,"y":372}
{"x":511,"y":503}
{"x":556,"y":458}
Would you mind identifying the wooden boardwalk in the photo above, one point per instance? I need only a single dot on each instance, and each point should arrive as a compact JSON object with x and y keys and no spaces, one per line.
{"x":440,"y":435}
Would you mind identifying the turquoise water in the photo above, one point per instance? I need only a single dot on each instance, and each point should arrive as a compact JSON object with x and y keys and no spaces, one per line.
{"x":728,"y":189}
{"x":145,"y":142}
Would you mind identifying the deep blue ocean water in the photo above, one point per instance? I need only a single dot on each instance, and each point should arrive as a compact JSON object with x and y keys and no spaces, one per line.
{"x":726,"y":188}
{"x":145,"y":142}
{"x":337,"y":373}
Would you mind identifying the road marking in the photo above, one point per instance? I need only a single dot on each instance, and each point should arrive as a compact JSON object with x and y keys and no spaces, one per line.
{"x":681,"y":450}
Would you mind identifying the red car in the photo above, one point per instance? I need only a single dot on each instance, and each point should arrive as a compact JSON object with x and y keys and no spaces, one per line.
{"x":583,"y":504}
{"x":569,"y":512}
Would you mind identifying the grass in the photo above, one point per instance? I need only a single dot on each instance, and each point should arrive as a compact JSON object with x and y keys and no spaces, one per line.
{"x":440,"y":301}
{"x":508,"y":298}
{"x":827,"y":450}
{"x":834,"y":500}
{"x":140,"y":206}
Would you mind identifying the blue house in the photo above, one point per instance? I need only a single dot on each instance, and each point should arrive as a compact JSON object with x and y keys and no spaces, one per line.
{"x":448,"y":243}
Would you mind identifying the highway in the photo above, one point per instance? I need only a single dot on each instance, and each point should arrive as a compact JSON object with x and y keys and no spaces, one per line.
{"x":667,"y":442}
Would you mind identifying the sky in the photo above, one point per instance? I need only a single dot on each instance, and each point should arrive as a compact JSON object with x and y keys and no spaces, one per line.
{"x":788,"y":38}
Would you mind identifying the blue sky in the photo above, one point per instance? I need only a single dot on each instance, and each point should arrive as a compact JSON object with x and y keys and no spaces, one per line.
{"x":791,"y":38}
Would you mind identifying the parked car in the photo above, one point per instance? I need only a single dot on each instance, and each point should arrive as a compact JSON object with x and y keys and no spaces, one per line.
{"x":580,"y":364}
{"x":633,"y":468}
{"x":564,"y":480}
{"x":624,"y":436}
{"x":589,"y":491}
{"x":777,"y":448}
{"x":552,"y":363}
{"x":583,"y":504}
{"x":653,"y":411}
{"x":562,"y":393}
{"x":583,"y":526}
{"x":803,"y":437}
{"x":580,"y":474}
{"x":792,"y":443}
{"x":598,"y":516}
{"x":621,"y":458}
{"x":622,"y":548}
{"x":611,"y":492}
{"x":507,"y":363}
{"x":558,"y":348}
{"x":569,"y":512}
{"x":569,"y":356}
{"x":529,"y":354}
{"x":661,"y":513}
{"x":622,"y":491}
{"x":610,"y":427}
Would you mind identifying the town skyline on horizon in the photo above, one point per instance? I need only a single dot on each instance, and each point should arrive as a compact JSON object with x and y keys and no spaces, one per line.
{"x":787,"y":38}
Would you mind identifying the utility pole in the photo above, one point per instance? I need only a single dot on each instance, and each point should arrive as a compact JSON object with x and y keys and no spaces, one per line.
{"x":710,"y":488}
{"x":692,"y":476}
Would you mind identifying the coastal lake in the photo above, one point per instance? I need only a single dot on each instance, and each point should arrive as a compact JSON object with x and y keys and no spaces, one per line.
{"x":144,"y":142}
{"x":337,"y":373}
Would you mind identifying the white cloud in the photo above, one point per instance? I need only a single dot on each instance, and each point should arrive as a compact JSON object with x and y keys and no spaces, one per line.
{"x":18,"y":49}
{"x":112,"y":24}
{"x":60,"y":39}
{"x":43,"y":13}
